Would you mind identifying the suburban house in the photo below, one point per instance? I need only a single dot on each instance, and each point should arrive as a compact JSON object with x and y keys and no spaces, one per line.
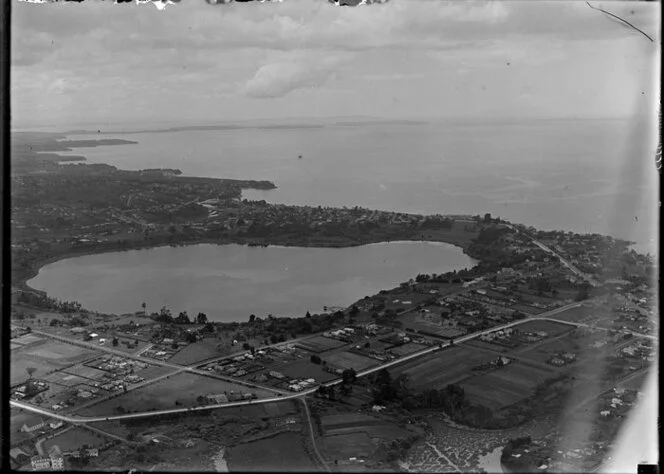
{"x":40,"y":463}
{"x":56,"y":424}
{"x":92,"y":452}
{"x":30,"y":428}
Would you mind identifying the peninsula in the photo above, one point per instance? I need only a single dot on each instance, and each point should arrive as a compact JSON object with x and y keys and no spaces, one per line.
{"x":395,"y":376}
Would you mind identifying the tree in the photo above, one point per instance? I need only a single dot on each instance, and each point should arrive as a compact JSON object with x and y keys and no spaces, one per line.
{"x":274,"y":339}
{"x":183,"y":318}
{"x":28,"y":329}
{"x":315,"y":358}
{"x":282,"y":337}
{"x":201,"y":318}
{"x":246,"y":346}
{"x":487,"y":217}
{"x":252,"y":318}
{"x":349,"y":376}
{"x":30,"y":371}
{"x":331,"y":393}
{"x":308,"y":315}
{"x":115,"y":341}
{"x":144,"y":306}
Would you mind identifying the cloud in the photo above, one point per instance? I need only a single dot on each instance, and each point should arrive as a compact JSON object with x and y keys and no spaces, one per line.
{"x":281,"y":78}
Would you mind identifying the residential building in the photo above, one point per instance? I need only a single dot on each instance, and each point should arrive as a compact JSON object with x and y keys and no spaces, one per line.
{"x":34,"y":427}
{"x":40,"y":463}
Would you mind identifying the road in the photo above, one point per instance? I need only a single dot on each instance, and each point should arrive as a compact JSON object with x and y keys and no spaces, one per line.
{"x":313,"y":436}
{"x":564,"y":261}
{"x":289,"y":395}
{"x":191,"y":368}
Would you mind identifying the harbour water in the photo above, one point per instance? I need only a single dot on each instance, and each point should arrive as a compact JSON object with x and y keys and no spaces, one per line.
{"x":577,"y":175}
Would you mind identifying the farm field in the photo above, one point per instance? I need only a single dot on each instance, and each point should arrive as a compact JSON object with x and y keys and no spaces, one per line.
{"x":319,"y":344}
{"x":199,"y":351}
{"x":183,"y":387}
{"x":28,"y":339}
{"x":86,"y":372}
{"x":282,"y":453}
{"x":574,"y":315}
{"x":348,"y":360}
{"x":154,"y":371}
{"x":74,"y":439}
{"x":306,"y":369}
{"x":486,"y":345}
{"x":408,"y":348}
{"x":504,"y":386}
{"x":550,"y":327}
{"x":19,"y":364}
{"x":442,"y":368}
{"x":334,"y":425}
{"x":348,"y":445}
{"x":63,"y":378}
{"x":45,"y":356}
{"x":541,"y":352}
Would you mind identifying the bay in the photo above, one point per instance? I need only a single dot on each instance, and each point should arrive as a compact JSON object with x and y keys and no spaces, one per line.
{"x":230,"y":282}
{"x":579,"y":175}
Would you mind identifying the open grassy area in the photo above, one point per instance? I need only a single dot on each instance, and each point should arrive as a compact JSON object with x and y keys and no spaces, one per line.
{"x":504,"y":386}
{"x":281,"y":453}
{"x":184,"y":388}
{"x":441,"y":368}
{"x":342,"y":447}
{"x":199,"y":351}
{"x":306,"y":369}
{"x":550,"y":327}
{"x":408,"y":348}
{"x":348,"y":360}
{"x":320,"y":344}
{"x":86,"y":372}
{"x":74,"y":439}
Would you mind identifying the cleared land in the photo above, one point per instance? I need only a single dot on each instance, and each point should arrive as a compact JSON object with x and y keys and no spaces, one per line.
{"x":199,"y":351}
{"x":28,"y":339}
{"x":574,"y":314}
{"x":319,"y":344}
{"x":306,"y":369}
{"x":550,"y":327}
{"x":282,"y":453}
{"x":408,"y":348}
{"x":45,"y":356}
{"x":74,"y":439}
{"x":334,"y":425}
{"x":63,"y":378}
{"x":86,"y":372}
{"x":348,"y":360}
{"x":348,"y":445}
{"x":442,"y":368}
{"x":184,"y":388}
{"x":504,"y":386}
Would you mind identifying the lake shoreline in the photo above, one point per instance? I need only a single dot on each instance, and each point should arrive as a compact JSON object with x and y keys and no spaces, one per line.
{"x":21,"y":283}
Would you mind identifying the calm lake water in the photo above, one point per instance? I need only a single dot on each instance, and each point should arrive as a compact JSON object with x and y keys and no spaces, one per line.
{"x":230,"y":282}
{"x":577,"y":175}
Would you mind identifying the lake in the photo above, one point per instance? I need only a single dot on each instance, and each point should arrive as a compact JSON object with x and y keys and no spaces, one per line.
{"x":230,"y":282}
{"x":577,"y":175}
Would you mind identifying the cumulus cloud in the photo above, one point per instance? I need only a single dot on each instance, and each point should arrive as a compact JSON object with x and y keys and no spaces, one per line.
{"x":283,"y":77}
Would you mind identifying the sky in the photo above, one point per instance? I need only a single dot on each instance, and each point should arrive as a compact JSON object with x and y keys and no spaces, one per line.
{"x":96,"y":61}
